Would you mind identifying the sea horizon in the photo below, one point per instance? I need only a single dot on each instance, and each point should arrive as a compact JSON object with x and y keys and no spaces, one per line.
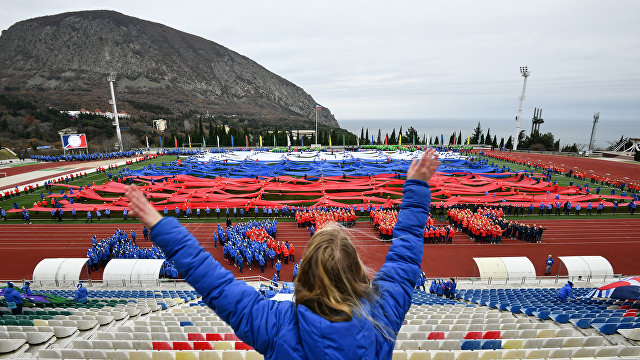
{"x":567,"y":131}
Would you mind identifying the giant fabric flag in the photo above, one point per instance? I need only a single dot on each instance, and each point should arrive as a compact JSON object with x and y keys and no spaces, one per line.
{"x":627,"y":288}
{"x":160,"y":137}
{"x":329,"y":140}
{"x":260,"y":141}
{"x":441,"y":139}
{"x":175,"y":141}
{"x":74,"y":141}
{"x":204,"y":143}
{"x":400,"y":140}
{"x":189,"y":140}
{"x":231,"y":140}
{"x":246,"y":140}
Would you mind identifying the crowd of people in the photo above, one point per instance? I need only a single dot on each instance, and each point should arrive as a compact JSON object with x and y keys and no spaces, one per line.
{"x":319,"y":217}
{"x":87,"y":157}
{"x":123,"y":245}
{"x":385,"y":220}
{"x":438,"y":287}
{"x":488,"y":226}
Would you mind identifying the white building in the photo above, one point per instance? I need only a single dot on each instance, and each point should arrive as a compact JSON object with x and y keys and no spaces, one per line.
{"x":160,"y":124}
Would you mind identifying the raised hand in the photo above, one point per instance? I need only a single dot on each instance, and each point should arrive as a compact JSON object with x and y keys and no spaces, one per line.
{"x":424,"y":168}
{"x":141,"y":208}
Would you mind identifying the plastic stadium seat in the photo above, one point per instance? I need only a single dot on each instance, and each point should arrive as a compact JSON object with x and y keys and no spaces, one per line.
{"x":491,"y":335}
{"x":161,"y":345}
{"x":606,"y":328}
{"x":223,"y":345}
{"x":242,"y":346}
{"x":186,"y":355}
{"x":473,"y":335}
{"x":202,"y":345}
{"x":631,"y":334}
{"x":196,"y":337}
{"x":512,"y":344}
{"x":436,"y":335}
{"x":491,"y":344}
{"x":560,"y":318}
{"x":231,"y":337}
{"x":186,"y":323}
{"x":214,"y":337}
{"x":514,"y":354}
{"x":470,"y":344}
{"x":581,"y":323}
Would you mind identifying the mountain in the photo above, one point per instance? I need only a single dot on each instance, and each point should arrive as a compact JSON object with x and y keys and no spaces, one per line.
{"x":63,"y":60}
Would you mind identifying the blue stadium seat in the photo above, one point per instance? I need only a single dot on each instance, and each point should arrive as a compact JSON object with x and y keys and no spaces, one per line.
{"x":471,"y":344}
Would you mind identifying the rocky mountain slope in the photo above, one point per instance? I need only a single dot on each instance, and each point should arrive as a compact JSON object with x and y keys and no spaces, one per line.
{"x":63,"y":60}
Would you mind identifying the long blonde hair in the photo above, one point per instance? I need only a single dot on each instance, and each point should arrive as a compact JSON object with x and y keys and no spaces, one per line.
{"x":332,"y":281}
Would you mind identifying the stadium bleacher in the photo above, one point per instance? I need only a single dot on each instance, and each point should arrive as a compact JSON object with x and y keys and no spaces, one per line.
{"x":170,"y":323}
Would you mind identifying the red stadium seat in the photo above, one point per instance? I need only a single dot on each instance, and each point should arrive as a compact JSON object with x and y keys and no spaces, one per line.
{"x":435,"y":335}
{"x":474,"y":335}
{"x":161,"y":345}
{"x":242,"y":346}
{"x":196,"y":337}
{"x":214,"y":337}
{"x":491,"y":335}
{"x":182,"y":345}
{"x":202,"y":345}
{"x":230,"y":337}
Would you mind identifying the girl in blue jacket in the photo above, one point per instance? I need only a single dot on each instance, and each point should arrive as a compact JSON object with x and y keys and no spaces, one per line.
{"x":339,"y":313}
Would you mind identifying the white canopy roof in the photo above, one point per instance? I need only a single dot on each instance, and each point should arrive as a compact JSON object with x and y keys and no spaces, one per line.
{"x":60,"y":270}
{"x":587,"y":266}
{"x":132,"y":270}
{"x":505,"y":267}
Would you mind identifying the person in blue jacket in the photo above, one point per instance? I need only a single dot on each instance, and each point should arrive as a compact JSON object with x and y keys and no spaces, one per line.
{"x":566,"y":292}
{"x":278,"y":267}
{"x":549,"y":264}
{"x":339,"y":312}
{"x":452,"y":288}
{"x":81,"y":294}
{"x":13,"y":298}
{"x":432,"y":288}
{"x":26,"y":289}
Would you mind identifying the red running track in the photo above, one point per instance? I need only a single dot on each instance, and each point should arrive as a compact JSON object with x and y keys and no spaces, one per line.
{"x":602,"y":167}
{"x":23,"y":246}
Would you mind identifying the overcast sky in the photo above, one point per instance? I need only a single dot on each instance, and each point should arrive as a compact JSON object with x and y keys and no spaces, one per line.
{"x":420,"y":59}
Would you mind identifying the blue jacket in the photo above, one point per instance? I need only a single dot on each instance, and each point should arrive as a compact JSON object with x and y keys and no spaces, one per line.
{"x":565,"y":292}
{"x":274,"y":329}
{"x":81,"y":295}
{"x":12,"y":295}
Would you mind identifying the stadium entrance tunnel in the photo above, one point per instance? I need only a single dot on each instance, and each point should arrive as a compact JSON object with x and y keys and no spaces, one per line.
{"x":59,"y":271}
{"x":585,"y":268}
{"x":504,"y":268}
{"x":122,"y":271}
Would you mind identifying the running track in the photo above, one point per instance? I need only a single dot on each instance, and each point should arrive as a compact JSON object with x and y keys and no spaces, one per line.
{"x":23,"y":246}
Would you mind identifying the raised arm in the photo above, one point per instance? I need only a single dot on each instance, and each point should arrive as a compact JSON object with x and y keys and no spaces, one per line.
{"x":397,"y":277}
{"x":254,"y":319}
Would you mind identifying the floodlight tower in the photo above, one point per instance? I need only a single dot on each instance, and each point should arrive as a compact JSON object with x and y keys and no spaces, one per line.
{"x":111,"y":78}
{"x":596,"y":117}
{"x":524,"y":71}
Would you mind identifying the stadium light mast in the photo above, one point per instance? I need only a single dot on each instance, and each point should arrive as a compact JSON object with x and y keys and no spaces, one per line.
{"x":524,"y":71}
{"x":596,"y":117}
{"x":111,"y":78}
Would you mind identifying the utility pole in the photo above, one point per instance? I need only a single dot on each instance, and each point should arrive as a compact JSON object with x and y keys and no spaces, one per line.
{"x":524,"y":71}
{"x":596,"y":117}
{"x":111,"y":78}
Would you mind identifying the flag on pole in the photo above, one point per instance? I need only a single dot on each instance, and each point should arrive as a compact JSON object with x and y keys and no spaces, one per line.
{"x":246,"y":140}
{"x":288,"y":140}
{"x":260,"y":141}
{"x":454,"y":138}
{"x":175,"y":140}
{"x":218,"y":140}
{"x":469,"y":140}
{"x":302,"y":140}
{"x":386,"y":139}
{"x":400,"y":140}
{"x":372,"y":140}
{"x":442,"y":139}
{"x":318,"y":107}
{"x":274,"y":140}
{"x":204,"y":143}
{"x":160,"y":137}
{"x":357,"y":141}
{"x":231,"y":140}
{"x":329,"y":140}
{"x":414,"y":139}
{"x":189,"y":140}
{"x":147,"y":139}
{"x":343,"y":140}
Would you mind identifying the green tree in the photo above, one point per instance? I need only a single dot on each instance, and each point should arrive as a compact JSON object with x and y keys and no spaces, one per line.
{"x":509,"y":144}
{"x":436,"y":141}
{"x":487,"y":138}
{"x":501,"y":142}
{"x":477,"y":132}
{"x":392,"y":138}
{"x":366,"y":138}
{"x":411,"y":135}
{"x":379,"y":141}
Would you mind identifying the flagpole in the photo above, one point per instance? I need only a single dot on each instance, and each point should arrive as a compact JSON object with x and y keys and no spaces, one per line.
{"x":316,"y":124}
